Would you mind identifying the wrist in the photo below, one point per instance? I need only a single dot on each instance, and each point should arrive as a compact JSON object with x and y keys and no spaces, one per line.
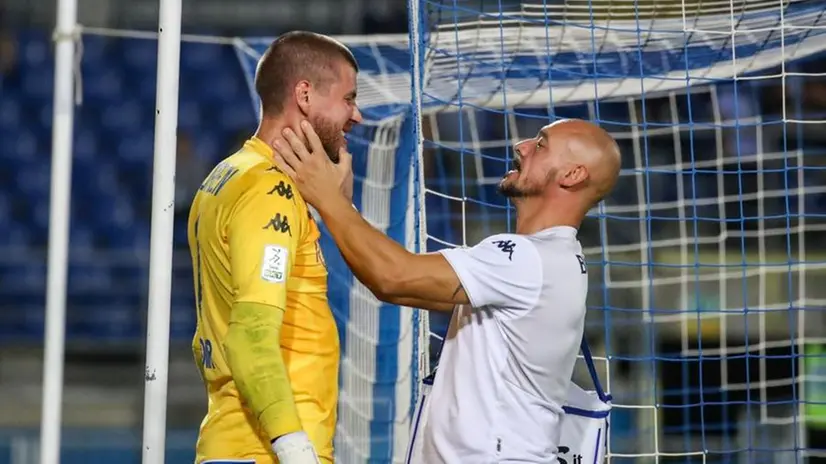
{"x":295,"y":448}
{"x":334,"y":204}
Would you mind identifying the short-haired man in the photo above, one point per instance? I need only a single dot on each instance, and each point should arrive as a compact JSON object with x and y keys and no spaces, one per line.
{"x":266,"y":341}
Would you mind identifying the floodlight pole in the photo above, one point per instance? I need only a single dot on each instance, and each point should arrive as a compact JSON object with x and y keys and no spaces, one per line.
{"x":58,"y":253}
{"x":160,"y":254}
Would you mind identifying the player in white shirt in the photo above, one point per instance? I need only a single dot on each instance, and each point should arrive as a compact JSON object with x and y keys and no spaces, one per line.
{"x":519,"y":298}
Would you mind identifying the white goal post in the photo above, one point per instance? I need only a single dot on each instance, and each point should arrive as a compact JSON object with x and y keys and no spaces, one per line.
{"x":160,"y":268}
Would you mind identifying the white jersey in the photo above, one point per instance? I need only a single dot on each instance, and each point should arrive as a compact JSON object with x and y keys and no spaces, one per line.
{"x":508,"y":357}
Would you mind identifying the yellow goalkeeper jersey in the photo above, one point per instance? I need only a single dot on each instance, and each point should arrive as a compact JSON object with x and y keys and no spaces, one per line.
{"x":253,"y":240}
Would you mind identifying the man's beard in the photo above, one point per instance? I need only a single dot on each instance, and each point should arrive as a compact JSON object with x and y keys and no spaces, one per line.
{"x":509,"y":189}
{"x":330,"y":136}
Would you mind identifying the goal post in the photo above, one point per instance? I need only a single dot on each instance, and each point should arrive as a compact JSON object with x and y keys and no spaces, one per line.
{"x":156,"y":375}
{"x":58,"y":247}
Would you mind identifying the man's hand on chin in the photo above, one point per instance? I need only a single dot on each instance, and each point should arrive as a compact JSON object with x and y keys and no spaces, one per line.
{"x":321,"y":182}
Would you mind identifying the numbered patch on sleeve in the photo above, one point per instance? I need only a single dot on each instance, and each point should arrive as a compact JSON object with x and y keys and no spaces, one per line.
{"x":274,"y":264}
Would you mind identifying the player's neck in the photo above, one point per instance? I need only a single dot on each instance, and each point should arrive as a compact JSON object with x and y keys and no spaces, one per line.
{"x":534,"y":215}
{"x":270,"y":128}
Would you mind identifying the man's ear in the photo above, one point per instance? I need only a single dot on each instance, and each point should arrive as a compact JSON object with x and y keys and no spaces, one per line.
{"x":302,"y":96}
{"x":575,"y":176}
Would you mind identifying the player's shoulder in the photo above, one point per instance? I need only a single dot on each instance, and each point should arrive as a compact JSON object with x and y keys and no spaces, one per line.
{"x":259,"y":177}
{"x":509,"y":248}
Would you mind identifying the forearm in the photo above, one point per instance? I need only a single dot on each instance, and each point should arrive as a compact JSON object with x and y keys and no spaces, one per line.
{"x":418,"y":303}
{"x":374,"y":258}
{"x":258,"y":369}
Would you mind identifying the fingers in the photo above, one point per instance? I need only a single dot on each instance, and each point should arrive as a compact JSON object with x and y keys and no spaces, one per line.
{"x":284,"y":152}
{"x":298,"y":147}
{"x":284,"y":166}
{"x":312,"y":137}
{"x":345,"y":159}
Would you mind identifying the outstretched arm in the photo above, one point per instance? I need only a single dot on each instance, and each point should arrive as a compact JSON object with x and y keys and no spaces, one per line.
{"x":392,"y":273}
{"x":502,"y":270}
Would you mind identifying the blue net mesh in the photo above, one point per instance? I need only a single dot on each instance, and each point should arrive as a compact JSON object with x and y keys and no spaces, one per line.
{"x":704,"y":300}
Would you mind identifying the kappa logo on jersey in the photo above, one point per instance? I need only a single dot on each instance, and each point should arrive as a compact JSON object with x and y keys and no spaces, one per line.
{"x":274,"y":263}
{"x":279,"y":223}
{"x":283,"y":190}
{"x":506,"y":246}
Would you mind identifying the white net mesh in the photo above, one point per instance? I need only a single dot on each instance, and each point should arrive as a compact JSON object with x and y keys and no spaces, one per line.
{"x":703,"y":260}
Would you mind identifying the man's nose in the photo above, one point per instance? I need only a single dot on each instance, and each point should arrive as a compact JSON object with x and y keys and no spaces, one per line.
{"x":519,"y":148}
{"x":356,"y":116}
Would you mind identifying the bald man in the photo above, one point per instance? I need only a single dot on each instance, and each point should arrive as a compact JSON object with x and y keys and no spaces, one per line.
{"x":518,"y":300}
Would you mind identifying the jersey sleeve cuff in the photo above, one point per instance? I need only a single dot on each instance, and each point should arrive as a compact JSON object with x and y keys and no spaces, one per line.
{"x":277,"y":424}
{"x":460,"y":261}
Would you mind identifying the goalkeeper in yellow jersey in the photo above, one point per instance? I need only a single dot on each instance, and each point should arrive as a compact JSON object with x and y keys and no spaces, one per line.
{"x":266,"y":342}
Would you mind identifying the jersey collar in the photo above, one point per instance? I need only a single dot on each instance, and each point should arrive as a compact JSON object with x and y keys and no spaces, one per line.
{"x":259,"y":146}
{"x":559,"y":231}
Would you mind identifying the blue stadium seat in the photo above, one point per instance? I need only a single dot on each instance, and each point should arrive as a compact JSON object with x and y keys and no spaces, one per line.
{"x":82,"y":239}
{"x":144,"y":87}
{"x":34,"y":47}
{"x":182,"y":317}
{"x":20,"y":146}
{"x":86,"y":146}
{"x":11,"y":113}
{"x":236,"y":116}
{"x":43,"y":114}
{"x":139,"y":55}
{"x":137,"y":147}
{"x":33,"y":179}
{"x":223,"y":86}
{"x":189,"y":115}
{"x":26,"y":277}
{"x":17,"y":235}
{"x":38,"y":82}
{"x":102,"y":84}
{"x":95,"y":48}
{"x":111,"y":184}
{"x":200,"y":57}
{"x":124,"y":117}
{"x":210,"y":147}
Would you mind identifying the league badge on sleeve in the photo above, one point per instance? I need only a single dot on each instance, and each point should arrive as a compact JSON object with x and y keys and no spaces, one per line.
{"x":274,"y":264}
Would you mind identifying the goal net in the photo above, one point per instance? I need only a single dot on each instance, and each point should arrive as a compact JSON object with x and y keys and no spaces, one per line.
{"x":705,"y":259}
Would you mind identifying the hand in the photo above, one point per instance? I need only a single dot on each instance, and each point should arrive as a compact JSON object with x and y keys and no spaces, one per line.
{"x":318,"y":179}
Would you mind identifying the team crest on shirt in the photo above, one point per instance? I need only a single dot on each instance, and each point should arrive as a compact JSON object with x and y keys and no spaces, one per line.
{"x":274,"y":263}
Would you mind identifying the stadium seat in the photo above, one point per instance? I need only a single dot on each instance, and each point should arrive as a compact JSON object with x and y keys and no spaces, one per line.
{"x":11,"y":113}
{"x":111,"y":177}
{"x":200,"y":57}
{"x":137,"y":55}
{"x":38,"y":82}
